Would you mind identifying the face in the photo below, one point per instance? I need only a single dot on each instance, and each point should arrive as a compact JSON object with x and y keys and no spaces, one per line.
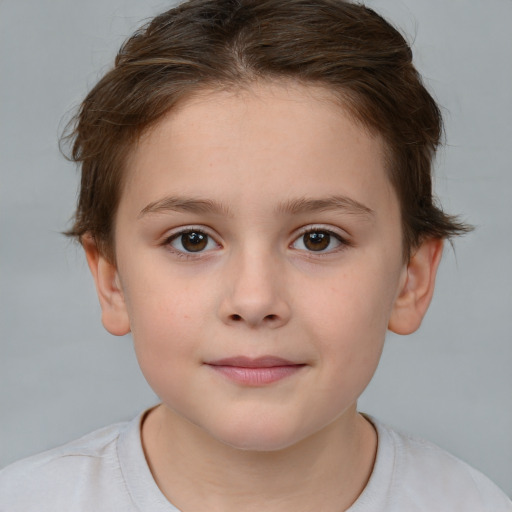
{"x":259,"y":260}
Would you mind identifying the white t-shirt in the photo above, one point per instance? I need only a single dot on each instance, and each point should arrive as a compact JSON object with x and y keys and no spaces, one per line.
{"x":106,"y":471}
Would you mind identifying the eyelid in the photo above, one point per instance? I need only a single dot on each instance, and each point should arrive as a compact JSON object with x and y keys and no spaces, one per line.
{"x":190,"y":227}
{"x":177,"y":232}
{"x":340,"y":235}
{"x":338,"y":232}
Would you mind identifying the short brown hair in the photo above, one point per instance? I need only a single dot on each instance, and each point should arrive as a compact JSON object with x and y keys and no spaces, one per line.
{"x":209,"y":44}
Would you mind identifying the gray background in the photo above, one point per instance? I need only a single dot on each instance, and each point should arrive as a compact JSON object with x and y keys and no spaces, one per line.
{"x":61,"y":375}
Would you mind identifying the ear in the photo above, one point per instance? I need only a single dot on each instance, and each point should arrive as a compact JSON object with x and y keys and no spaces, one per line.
{"x":417,"y":288}
{"x":114,"y":315}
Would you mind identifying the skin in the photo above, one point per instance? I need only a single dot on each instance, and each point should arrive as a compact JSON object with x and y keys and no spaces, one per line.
{"x":258,"y":289}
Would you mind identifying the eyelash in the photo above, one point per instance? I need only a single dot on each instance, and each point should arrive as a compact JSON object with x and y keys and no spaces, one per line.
{"x":343,"y":242}
{"x":187,"y":254}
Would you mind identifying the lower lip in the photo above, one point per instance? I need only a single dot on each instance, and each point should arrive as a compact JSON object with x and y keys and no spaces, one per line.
{"x":257,"y":376}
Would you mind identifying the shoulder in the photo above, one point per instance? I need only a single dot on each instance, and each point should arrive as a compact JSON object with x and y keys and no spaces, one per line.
{"x":422,"y":476}
{"x":60,"y":478}
{"x":428,"y":465}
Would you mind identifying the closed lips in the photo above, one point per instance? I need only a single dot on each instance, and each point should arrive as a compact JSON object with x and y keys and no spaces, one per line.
{"x":255,"y":372}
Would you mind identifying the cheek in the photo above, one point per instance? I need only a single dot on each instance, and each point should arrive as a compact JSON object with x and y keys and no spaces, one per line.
{"x":166,"y":324}
{"x":349,"y":319}
{"x":355,"y":305}
{"x":160,"y":299}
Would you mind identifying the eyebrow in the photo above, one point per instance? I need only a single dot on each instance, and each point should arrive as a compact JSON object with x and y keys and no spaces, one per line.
{"x":292,"y":207}
{"x":331,"y":203}
{"x":185,"y":204}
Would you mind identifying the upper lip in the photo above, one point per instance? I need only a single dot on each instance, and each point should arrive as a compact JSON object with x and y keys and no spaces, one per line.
{"x":248,"y":362}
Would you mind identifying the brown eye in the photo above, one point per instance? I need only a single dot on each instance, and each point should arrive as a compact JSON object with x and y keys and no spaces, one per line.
{"x":317,"y":240}
{"x":191,"y":241}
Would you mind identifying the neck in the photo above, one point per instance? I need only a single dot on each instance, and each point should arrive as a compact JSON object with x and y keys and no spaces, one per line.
{"x":326,"y":471}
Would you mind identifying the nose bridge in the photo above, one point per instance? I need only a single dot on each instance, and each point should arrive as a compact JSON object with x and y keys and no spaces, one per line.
{"x":255,"y":295}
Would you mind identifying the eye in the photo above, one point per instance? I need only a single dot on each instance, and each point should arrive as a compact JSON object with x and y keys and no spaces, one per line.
{"x":191,"y":241}
{"x":319,"y":240}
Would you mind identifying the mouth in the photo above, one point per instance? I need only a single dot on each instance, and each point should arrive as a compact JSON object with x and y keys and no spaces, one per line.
{"x":255,"y":372}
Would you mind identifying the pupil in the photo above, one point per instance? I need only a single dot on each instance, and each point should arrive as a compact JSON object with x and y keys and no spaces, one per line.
{"x":193,"y":241}
{"x":317,"y":241}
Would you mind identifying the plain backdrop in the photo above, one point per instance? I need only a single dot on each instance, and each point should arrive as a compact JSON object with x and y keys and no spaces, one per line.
{"x":61,"y":375}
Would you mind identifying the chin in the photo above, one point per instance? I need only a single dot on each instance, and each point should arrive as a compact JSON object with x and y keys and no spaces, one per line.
{"x":258,"y":437}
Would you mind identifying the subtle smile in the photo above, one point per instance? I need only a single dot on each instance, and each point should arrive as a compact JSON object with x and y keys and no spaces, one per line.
{"x":255,"y":372}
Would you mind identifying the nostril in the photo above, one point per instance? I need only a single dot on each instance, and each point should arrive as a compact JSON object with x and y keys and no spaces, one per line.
{"x":271,"y":319}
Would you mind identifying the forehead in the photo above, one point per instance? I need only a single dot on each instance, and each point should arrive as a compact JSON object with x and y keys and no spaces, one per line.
{"x":266,"y":142}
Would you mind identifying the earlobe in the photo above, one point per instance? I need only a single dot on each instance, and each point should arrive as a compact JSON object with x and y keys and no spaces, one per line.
{"x":417,"y":288}
{"x":114,"y":315}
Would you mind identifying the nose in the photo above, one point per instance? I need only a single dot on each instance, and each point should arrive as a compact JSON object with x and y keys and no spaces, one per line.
{"x":255,"y":292}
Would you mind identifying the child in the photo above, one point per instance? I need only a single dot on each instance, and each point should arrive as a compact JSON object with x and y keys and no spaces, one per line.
{"x":256,"y":209}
